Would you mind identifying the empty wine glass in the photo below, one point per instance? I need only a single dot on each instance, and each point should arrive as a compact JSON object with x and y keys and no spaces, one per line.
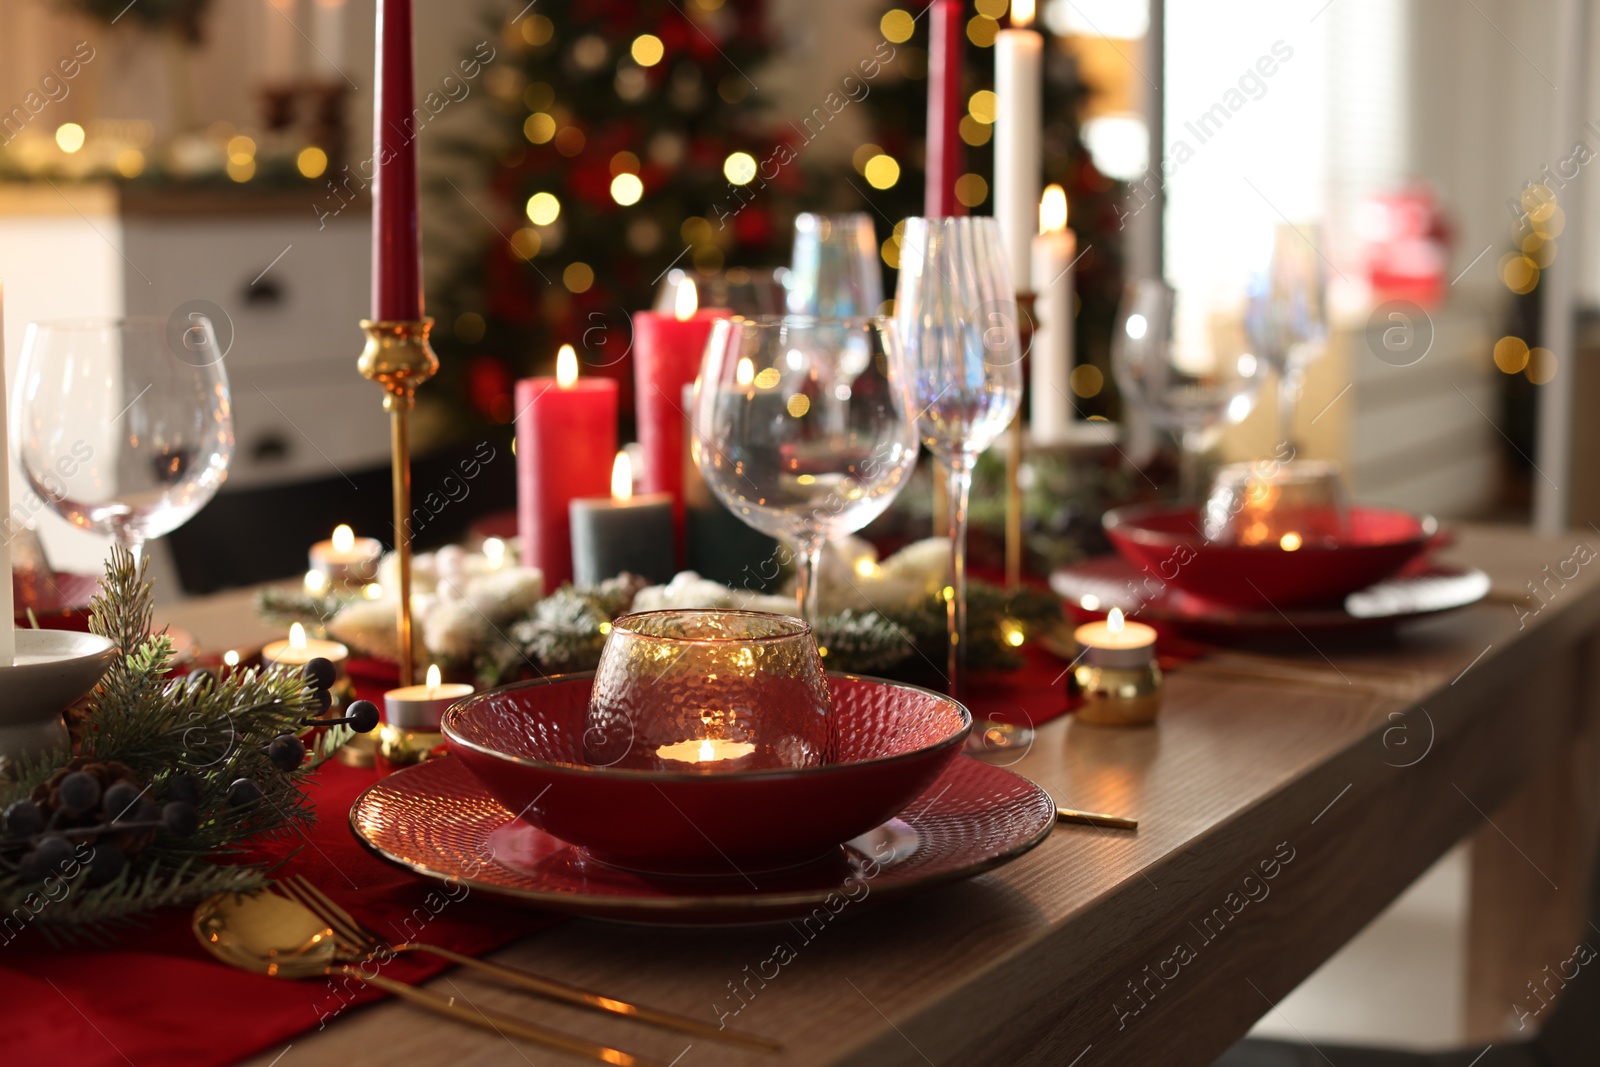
{"x":960,"y":358}
{"x":800,"y":431}
{"x":125,"y":426}
{"x":1188,"y":365}
{"x":1287,"y":316}
{"x":834,"y":272}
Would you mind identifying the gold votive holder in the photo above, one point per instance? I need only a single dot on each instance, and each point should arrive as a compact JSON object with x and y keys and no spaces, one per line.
{"x":1117,"y":675}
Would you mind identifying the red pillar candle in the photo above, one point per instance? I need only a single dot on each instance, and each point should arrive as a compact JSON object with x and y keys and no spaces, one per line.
{"x":566,"y":439}
{"x":396,"y":245}
{"x":667,"y":350}
{"x":944,"y":108}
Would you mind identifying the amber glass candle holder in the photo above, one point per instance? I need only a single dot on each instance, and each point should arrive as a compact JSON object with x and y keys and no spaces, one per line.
{"x":708,"y":692}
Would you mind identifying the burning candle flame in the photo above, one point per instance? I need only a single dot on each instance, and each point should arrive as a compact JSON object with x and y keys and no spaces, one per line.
{"x":621,"y":478}
{"x":1021,"y":12}
{"x":566,"y":367}
{"x":297,"y":636}
{"x":344,"y":538}
{"x":707,"y":752}
{"x":744,"y":372}
{"x":688,"y":301}
{"x":1114,"y":621}
{"x":1053,"y":210}
{"x":435,"y":678}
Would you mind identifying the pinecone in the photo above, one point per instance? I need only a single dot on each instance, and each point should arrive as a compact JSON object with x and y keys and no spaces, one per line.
{"x":107,"y":772}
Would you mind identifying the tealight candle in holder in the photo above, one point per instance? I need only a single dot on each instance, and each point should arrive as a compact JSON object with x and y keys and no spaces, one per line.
{"x":345,"y":558}
{"x":299,"y":650}
{"x":411,"y":714}
{"x":707,"y":692}
{"x":1117,"y":672}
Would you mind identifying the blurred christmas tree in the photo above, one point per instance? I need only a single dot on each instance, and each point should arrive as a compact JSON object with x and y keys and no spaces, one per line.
{"x":633,"y":140}
{"x":626,"y":125}
{"x":898,"y":104}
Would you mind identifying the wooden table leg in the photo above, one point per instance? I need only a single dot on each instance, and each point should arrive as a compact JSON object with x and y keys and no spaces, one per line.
{"x":1531,"y":870}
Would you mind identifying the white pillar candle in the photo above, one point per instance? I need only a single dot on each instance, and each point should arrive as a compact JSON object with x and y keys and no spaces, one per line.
{"x":277,"y":41}
{"x":1018,"y":59}
{"x":1050,"y":358}
{"x":327,"y":34}
{"x":8,"y":636}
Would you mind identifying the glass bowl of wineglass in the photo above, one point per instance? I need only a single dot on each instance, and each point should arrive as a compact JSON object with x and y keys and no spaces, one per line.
{"x":834,"y":272}
{"x":1188,"y":364}
{"x":123,"y":427}
{"x":800,"y":431}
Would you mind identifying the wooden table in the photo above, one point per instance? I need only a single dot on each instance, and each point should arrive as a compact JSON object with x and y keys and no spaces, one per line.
{"x":1277,"y":818}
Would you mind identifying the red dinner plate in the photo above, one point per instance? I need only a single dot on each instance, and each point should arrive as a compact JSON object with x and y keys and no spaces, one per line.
{"x":526,"y":744}
{"x":438,"y":821}
{"x":1164,"y":540}
{"x":1112,"y":582}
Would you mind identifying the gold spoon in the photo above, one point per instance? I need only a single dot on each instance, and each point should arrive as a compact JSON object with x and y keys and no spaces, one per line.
{"x":272,"y":935}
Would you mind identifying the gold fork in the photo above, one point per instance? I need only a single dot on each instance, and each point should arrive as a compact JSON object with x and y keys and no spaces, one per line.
{"x":366,"y":940}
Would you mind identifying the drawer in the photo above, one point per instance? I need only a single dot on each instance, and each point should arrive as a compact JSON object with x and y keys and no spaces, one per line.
{"x":295,"y":427}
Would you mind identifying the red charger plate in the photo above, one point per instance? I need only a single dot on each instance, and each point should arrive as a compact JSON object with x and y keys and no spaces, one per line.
{"x":438,"y":821}
{"x":1164,"y":540}
{"x":525,"y":742}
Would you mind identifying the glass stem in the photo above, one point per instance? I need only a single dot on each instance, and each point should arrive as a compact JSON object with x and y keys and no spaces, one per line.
{"x":1189,"y":466}
{"x":1290,"y":385}
{"x":131,"y":541}
{"x":960,"y":486}
{"x":807,"y":565}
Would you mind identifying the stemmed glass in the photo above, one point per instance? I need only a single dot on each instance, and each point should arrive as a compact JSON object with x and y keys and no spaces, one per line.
{"x":124,"y":427}
{"x":800,"y":431}
{"x":1287,"y":317}
{"x":834,"y":272}
{"x":1187,"y":365}
{"x":960,"y":359}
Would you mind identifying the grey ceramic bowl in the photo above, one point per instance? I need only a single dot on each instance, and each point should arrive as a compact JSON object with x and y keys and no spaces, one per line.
{"x":53,"y":668}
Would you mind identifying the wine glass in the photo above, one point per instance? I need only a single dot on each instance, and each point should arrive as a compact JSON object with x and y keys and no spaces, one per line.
{"x":800,"y":431}
{"x":1188,"y":365}
{"x":1287,"y":316}
{"x":123,"y":426}
{"x":834,"y":272}
{"x":960,"y":358}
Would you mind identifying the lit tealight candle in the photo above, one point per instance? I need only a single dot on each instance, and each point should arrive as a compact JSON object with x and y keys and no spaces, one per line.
{"x":299,"y":650}
{"x":706,"y":750}
{"x":494,"y":553}
{"x":420,"y":707}
{"x":344,"y":557}
{"x":1116,"y":642}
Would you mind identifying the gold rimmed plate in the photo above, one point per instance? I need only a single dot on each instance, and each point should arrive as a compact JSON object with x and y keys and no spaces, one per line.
{"x":438,"y":821}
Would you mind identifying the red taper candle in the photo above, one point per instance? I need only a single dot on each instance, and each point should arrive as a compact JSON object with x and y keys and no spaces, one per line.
{"x":944,"y":108}
{"x":396,"y":245}
{"x":566,"y":441}
{"x":667,"y":350}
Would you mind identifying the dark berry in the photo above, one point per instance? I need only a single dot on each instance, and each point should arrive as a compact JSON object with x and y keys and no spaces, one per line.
{"x":287,"y":752}
{"x":146,"y":810}
{"x":120,"y":800}
{"x":180,"y":818}
{"x":184,"y":787}
{"x":30,"y":868}
{"x":54,"y":852}
{"x":24,"y":818}
{"x":106,"y":863}
{"x":362,"y":716}
{"x":321,"y":701}
{"x":243,"y":791}
{"x":78,"y":792}
{"x":319,"y":673}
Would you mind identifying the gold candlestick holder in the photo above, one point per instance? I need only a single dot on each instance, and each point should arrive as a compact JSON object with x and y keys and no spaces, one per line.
{"x":399,"y":358}
{"x":1014,"y":551}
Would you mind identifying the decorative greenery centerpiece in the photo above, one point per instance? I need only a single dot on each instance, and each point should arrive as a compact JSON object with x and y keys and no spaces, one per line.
{"x":167,"y":778}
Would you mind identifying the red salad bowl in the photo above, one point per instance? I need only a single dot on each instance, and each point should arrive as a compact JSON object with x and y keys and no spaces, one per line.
{"x":1165,"y":543}
{"x":525,"y":743}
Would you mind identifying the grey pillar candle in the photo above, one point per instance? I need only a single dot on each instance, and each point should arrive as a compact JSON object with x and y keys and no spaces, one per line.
{"x":622,"y":532}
